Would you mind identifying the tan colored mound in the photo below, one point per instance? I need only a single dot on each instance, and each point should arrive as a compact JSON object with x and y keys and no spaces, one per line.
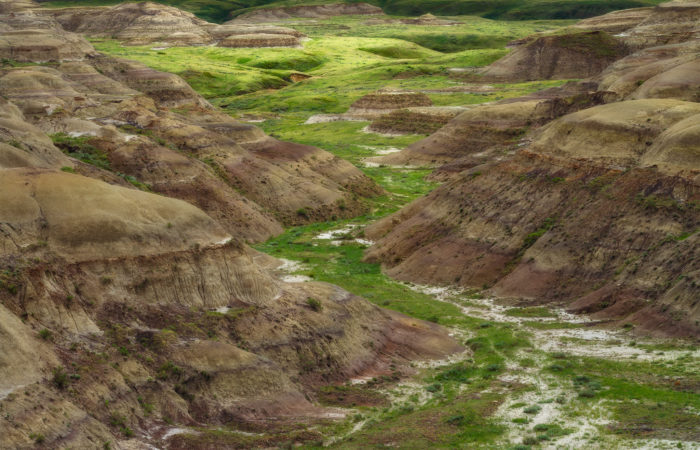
{"x":33,"y":45}
{"x":429,"y":20}
{"x":681,"y":82}
{"x":669,"y":23}
{"x":616,"y":21}
{"x":23,"y":144}
{"x":13,"y":6}
{"x":617,"y":134}
{"x":556,"y":230}
{"x":386,"y":100}
{"x":167,"y":89}
{"x":232,"y":28}
{"x":486,"y":131}
{"x":629,"y":74}
{"x":81,"y":218}
{"x":677,"y":149}
{"x":418,"y":120}
{"x":259,"y":40}
{"x":307,"y":12}
{"x":136,"y":23}
{"x":576,"y":55}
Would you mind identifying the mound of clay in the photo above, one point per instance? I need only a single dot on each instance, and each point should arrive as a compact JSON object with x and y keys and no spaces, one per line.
{"x":669,"y":69}
{"x":425,"y":120}
{"x":108,"y":220}
{"x":483,"y":131}
{"x":136,"y":23}
{"x":677,"y":149}
{"x":136,"y":261}
{"x":618,"y":134}
{"x":24,"y":145}
{"x":13,"y":6}
{"x":616,"y":21}
{"x":669,"y":23}
{"x":307,"y":12}
{"x":429,"y":20}
{"x":386,"y":100}
{"x":260,"y":40}
{"x":576,"y":55}
{"x":43,"y":45}
{"x":232,"y":29}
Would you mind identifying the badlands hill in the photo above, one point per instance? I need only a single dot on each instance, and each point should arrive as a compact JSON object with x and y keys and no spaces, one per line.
{"x":129,"y":302}
{"x":584,"y":195}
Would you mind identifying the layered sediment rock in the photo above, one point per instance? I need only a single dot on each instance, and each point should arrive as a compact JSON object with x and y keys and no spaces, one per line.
{"x":263,"y":15}
{"x":146,"y":23}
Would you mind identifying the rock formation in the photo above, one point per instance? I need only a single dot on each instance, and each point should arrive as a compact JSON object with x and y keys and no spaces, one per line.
{"x":263,"y":15}
{"x":584,"y":195}
{"x":152,"y":23}
{"x":125,"y":313}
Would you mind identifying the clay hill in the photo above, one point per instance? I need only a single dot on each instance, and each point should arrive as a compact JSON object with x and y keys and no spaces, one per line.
{"x":585,"y":195}
{"x":276,"y":14}
{"x":146,"y":23}
{"x":129,"y":303}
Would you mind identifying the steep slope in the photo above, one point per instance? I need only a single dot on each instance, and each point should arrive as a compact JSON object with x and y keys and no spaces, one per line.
{"x":577,"y":55}
{"x":122,"y":272}
{"x":585,"y":195}
{"x":151,"y":128}
{"x":570,"y":219}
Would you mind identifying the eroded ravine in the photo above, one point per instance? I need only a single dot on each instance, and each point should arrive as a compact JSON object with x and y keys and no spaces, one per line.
{"x":537,"y":404}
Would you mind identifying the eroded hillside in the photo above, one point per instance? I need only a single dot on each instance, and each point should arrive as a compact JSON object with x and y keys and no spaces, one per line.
{"x":523,"y":222}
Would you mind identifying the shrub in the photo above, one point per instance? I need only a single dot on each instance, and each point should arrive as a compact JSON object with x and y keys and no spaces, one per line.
{"x":60,"y":378}
{"x":435,"y":387}
{"x":534,"y":409}
{"x":45,"y":334}
{"x":314,"y":304}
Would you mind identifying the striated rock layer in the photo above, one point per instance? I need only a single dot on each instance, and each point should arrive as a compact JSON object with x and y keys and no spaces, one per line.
{"x":125,"y":314}
{"x":586,"y":196}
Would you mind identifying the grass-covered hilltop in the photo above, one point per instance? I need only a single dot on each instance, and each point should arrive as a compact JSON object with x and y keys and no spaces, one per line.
{"x":413,"y":224}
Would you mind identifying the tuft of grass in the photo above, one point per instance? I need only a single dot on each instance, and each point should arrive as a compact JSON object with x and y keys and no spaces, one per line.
{"x":314,"y":304}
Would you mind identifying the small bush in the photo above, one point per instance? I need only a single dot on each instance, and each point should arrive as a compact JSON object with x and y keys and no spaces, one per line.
{"x":60,"y":378}
{"x":45,"y":334}
{"x":314,"y":304}
{"x":38,"y":438}
{"x":534,"y":409}
{"x":435,"y":387}
{"x":530,"y":440}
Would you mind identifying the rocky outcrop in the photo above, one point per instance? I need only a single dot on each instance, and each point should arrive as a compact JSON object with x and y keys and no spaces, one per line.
{"x":125,"y":313}
{"x":387,"y":100}
{"x":146,"y":23}
{"x":42,"y":45}
{"x":135,"y":23}
{"x":616,"y":21}
{"x":575,"y":55}
{"x":97,"y":268}
{"x":417,"y":120}
{"x":260,"y":40}
{"x":667,"y":71}
{"x":584,"y":196}
{"x":485,"y":132}
{"x":123,"y":112}
{"x":263,"y":15}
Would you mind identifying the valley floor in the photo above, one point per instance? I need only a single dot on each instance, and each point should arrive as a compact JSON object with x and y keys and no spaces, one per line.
{"x":531,"y":376}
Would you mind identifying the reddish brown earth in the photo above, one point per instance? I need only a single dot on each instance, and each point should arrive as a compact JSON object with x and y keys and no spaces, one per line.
{"x":129,"y":302}
{"x":584,"y":196}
